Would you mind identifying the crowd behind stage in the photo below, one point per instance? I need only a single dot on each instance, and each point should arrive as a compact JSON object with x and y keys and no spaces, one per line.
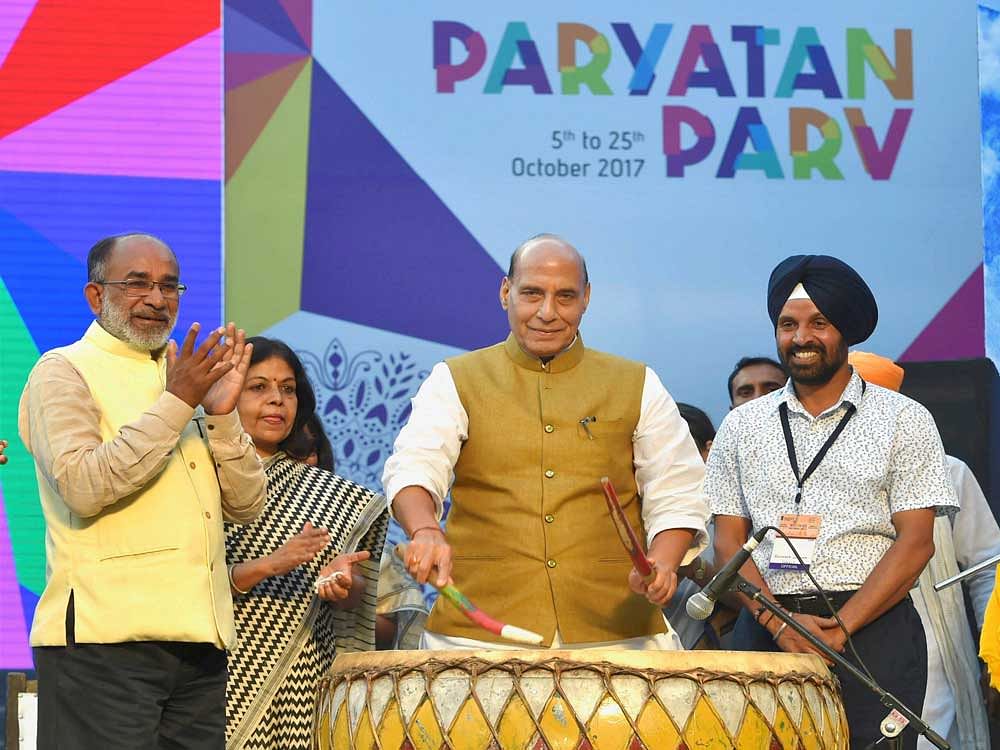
{"x":206,"y":564}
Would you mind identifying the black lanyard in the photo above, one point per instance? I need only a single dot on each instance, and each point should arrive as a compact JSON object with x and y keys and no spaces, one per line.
{"x":790,"y":443}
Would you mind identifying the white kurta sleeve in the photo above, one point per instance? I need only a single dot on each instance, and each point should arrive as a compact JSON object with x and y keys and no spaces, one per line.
{"x":669,"y":471}
{"x":427,"y":448}
{"x":975,"y":534}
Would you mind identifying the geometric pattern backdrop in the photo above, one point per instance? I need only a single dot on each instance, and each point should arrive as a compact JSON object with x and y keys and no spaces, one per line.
{"x":311,"y":253}
{"x":338,"y":244}
{"x":110,"y":122}
{"x":309,"y":184}
{"x":334,"y":239}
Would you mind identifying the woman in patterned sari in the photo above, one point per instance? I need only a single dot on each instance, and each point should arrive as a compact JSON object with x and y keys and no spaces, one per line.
{"x":314,"y":524}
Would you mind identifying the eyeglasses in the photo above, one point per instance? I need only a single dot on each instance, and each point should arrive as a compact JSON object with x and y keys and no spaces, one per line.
{"x":142,"y":287}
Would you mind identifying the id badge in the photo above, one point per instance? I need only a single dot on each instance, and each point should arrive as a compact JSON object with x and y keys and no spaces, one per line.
{"x":802,"y":530}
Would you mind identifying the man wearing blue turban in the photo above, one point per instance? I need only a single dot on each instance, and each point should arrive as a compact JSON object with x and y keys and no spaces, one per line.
{"x":854,"y":474}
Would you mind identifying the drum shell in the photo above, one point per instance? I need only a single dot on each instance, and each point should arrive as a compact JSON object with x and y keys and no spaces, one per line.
{"x":626,"y":700}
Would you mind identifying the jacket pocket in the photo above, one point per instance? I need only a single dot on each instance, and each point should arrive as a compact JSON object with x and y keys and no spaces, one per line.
{"x":603,"y":429}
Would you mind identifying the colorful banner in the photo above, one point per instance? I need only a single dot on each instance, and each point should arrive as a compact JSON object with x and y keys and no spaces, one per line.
{"x":384,"y":160}
{"x":111,"y":122}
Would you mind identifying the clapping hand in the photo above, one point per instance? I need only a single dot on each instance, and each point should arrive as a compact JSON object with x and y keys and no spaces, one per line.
{"x":225,"y":392}
{"x":211,"y":375}
{"x":3,"y":447}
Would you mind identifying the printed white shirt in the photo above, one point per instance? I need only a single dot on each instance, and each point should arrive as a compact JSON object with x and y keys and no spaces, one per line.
{"x":888,"y":459}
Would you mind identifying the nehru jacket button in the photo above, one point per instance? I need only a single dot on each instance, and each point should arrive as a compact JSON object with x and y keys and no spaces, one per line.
{"x":549,"y":428}
{"x":207,"y":514}
{"x":549,"y":518}
{"x":211,"y":427}
{"x":551,"y":563}
{"x":549,"y":473}
{"x":211,"y":567}
{"x":191,"y":464}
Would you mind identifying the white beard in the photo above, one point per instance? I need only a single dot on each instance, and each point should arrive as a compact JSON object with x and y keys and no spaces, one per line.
{"x":116,"y":321}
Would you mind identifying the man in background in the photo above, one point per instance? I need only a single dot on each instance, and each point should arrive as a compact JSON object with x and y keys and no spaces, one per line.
{"x":953,"y":703}
{"x":699,"y":634}
{"x":753,"y":377}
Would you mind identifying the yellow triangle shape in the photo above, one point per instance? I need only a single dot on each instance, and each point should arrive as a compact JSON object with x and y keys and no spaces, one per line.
{"x":705,"y":729}
{"x":754,"y":732}
{"x":656,"y":728}
{"x":425,"y":734}
{"x":265,"y":216}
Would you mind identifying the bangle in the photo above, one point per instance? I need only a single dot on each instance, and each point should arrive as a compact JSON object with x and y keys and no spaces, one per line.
{"x":426,"y":528}
{"x":232,"y":583}
{"x":777,"y":633}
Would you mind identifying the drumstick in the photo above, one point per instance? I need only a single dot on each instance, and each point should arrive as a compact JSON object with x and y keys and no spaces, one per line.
{"x":626,"y":533}
{"x":483,"y":620}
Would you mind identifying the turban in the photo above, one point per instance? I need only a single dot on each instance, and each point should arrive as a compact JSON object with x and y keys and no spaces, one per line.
{"x":878,"y":370}
{"x":833,"y":286}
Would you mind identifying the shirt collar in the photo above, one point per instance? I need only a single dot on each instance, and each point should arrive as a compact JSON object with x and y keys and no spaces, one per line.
{"x":100,"y":338}
{"x":565,"y":360}
{"x":851,"y":395}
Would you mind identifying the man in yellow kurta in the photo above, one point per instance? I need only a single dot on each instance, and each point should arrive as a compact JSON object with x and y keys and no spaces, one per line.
{"x":521,"y":433}
{"x":139,"y":455}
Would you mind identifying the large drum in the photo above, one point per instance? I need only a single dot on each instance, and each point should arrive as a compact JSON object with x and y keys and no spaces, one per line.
{"x":579,"y":700}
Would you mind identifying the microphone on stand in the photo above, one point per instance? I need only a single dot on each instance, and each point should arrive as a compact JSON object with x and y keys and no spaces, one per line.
{"x":700,"y":606}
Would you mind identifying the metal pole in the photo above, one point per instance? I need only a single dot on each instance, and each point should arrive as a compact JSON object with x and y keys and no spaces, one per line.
{"x":967,"y":572}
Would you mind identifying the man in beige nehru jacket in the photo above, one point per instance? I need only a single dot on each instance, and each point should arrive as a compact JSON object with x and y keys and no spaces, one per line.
{"x":521,"y":433}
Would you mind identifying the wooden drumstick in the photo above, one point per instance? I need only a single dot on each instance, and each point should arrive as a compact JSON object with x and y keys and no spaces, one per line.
{"x":626,"y":533}
{"x":483,"y":620}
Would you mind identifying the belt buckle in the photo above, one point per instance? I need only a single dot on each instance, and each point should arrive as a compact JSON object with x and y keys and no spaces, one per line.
{"x":807,"y":600}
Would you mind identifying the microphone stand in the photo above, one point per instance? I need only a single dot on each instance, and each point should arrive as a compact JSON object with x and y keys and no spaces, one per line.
{"x":966,"y":573}
{"x":891,"y":727}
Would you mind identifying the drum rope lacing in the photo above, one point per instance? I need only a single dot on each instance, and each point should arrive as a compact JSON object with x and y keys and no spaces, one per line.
{"x":556,"y":666}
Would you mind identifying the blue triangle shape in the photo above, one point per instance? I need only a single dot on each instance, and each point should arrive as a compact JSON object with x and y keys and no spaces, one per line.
{"x":50,"y":222}
{"x":381,"y":249}
{"x":44,"y":283}
{"x":243,"y":34}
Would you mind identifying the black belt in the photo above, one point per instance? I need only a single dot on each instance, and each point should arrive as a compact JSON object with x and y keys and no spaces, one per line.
{"x":814,"y":604}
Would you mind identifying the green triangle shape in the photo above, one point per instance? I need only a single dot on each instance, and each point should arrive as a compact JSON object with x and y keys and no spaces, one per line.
{"x":265,"y":216}
{"x":18,"y":355}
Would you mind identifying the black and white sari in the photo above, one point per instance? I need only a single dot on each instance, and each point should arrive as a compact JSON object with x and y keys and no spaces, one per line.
{"x":287,"y":636}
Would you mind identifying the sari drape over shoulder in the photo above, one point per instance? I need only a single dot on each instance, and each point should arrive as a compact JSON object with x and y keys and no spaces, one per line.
{"x":287,"y":636}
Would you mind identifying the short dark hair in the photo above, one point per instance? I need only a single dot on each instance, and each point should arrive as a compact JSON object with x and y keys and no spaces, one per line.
{"x":750,"y":362}
{"x":701,"y":427}
{"x":512,"y":266}
{"x":97,"y":256}
{"x":299,"y":443}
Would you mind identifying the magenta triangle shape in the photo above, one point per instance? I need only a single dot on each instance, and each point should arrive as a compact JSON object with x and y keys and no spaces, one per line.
{"x":244,"y":67}
{"x":958,"y":331}
{"x":300,"y":13}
